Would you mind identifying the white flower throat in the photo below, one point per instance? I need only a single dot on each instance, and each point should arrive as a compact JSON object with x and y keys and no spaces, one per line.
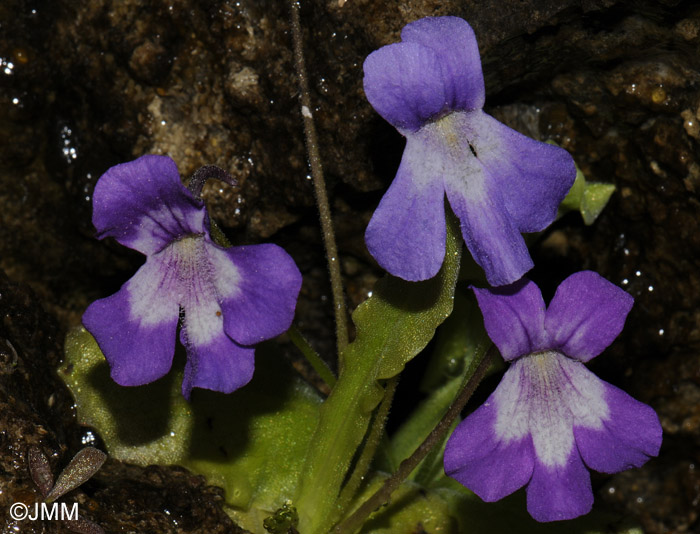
{"x":545,"y":395}
{"x":190,"y":273}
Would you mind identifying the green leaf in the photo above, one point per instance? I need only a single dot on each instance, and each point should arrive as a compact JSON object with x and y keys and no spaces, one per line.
{"x":459,"y":340}
{"x":251,"y":442}
{"x":143,"y":425}
{"x":393,"y":326}
{"x":588,"y":198}
{"x":572,"y":201}
{"x":412,"y":509}
{"x":595,"y":198}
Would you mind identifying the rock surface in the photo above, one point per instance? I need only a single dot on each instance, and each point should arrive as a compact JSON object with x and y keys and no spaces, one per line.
{"x":87,"y":84}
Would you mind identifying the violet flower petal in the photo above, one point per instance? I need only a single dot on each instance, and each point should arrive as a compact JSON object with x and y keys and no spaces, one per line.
{"x":403,"y":82}
{"x":513,"y":317}
{"x":570,"y":415}
{"x":560,"y":492}
{"x":144,"y":206}
{"x":214,"y":361}
{"x":499,"y":183}
{"x":586,"y":314}
{"x":454,"y":42}
{"x":629,"y":437}
{"x":533,"y":177}
{"x":135,"y":328}
{"x":476,"y":457}
{"x":407,"y":233}
{"x":487,"y":229}
{"x":268,"y":284}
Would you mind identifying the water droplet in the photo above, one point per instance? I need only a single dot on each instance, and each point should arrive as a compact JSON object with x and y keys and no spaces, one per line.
{"x":7,"y":66}
{"x":89,"y":438}
{"x":69,"y":151}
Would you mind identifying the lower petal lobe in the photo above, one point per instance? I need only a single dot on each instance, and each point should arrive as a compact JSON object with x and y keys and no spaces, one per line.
{"x":560,"y":492}
{"x":219,"y":364}
{"x":533,"y":177}
{"x":407,"y":232}
{"x":488,"y":229}
{"x":135,"y":328}
{"x":629,"y":437}
{"x":477,"y":459}
{"x":259,"y":301}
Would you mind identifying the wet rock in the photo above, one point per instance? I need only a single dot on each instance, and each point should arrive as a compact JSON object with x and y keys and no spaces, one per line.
{"x":87,"y":84}
{"x":171,"y":500}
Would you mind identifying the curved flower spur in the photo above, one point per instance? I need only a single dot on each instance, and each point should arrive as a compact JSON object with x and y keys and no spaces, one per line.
{"x":550,"y":417}
{"x":499,"y":183}
{"x":231,"y":297}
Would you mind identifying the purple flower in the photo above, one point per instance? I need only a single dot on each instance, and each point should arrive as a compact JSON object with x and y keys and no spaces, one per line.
{"x":498,"y":182}
{"x":550,"y":417}
{"x":231,"y":298}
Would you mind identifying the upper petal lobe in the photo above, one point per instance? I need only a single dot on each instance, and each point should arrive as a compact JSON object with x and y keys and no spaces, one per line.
{"x":513,"y":317}
{"x":403,"y":82}
{"x":586,"y":314}
{"x":454,"y":42}
{"x":144,"y":206}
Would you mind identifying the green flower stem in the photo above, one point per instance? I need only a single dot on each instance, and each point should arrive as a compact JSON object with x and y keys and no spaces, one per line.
{"x":341,"y":321}
{"x":381,"y":497}
{"x":312,"y":356}
{"x":393,"y":326}
{"x":373,"y":439}
{"x":332,"y":449}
